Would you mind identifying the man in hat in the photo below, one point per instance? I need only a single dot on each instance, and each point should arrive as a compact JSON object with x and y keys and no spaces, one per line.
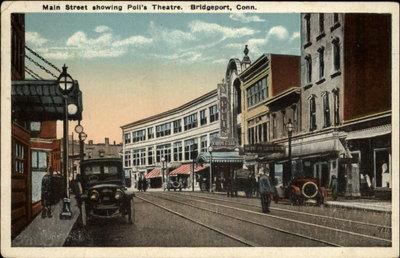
{"x":266,"y":190}
{"x":47,"y":193}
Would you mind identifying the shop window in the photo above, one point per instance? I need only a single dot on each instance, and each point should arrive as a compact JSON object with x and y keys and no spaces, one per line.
{"x":190,"y":121}
{"x":19,"y":158}
{"x":177,"y":126}
{"x":177,"y":151}
{"x":213,"y":113}
{"x":383,"y":175}
{"x":203,"y":117}
{"x":39,"y":160}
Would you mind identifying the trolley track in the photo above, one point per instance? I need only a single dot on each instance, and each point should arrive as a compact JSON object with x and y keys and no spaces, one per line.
{"x":330,"y":219}
{"x":310,"y":227}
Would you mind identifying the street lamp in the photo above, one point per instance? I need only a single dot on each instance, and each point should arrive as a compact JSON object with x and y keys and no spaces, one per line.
{"x":65,"y":84}
{"x":163,"y":168}
{"x":82,"y":137}
{"x":289,"y":127}
{"x":210,"y":150}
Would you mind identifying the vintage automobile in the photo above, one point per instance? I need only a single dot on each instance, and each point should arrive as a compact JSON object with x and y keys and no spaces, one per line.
{"x":104,"y":190}
{"x":173,"y":184}
{"x":243,"y":181}
{"x":300,"y":190}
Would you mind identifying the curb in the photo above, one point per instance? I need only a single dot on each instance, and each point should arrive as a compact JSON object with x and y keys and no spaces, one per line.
{"x":334,"y":205}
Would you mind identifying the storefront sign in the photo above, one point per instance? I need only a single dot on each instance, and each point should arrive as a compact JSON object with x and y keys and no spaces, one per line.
{"x":263,"y":148}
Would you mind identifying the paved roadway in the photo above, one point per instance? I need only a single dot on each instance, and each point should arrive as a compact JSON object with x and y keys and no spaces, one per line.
{"x":185,"y":219}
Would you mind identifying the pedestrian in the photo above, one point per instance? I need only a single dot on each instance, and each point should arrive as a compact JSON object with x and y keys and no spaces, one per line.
{"x":140,"y":184}
{"x":265,"y":191}
{"x":333,"y":186}
{"x":47,"y":193}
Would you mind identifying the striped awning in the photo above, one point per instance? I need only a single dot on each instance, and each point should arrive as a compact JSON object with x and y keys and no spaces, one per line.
{"x":370,"y":132}
{"x":156,"y":172}
{"x":186,"y":169}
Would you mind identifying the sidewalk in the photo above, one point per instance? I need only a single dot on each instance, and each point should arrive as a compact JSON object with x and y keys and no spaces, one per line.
{"x":48,"y":232}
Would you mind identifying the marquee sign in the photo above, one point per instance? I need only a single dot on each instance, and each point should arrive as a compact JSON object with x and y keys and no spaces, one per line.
{"x":263,"y":148}
{"x":224,"y":129}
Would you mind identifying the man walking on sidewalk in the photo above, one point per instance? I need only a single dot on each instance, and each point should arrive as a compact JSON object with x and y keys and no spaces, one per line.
{"x":265,"y":191}
{"x":47,"y":194}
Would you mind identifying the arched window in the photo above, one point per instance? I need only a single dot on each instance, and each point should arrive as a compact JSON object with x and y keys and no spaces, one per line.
{"x":308,"y":68}
{"x":313,"y":114}
{"x":336,"y":54}
{"x":326,"y":109}
{"x":336,"y":105}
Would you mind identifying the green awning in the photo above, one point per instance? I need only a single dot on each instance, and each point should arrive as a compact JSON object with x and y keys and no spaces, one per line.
{"x":220,"y":157}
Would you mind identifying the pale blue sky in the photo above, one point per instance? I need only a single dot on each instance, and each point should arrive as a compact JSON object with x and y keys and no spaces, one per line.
{"x":123,"y":61}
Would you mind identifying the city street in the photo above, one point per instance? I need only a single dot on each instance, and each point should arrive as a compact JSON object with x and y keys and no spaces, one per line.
{"x":187,"y":219}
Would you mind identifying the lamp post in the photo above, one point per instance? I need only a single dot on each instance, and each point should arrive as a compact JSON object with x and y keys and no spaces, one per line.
{"x":163,"y":168}
{"x":210,"y":150}
{"x":82,"y":137}
{"x":289,"y":127}
{"x":66,"y":83}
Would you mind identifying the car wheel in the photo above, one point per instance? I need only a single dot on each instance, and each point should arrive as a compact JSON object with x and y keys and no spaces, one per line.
{"x":131,"y":211}
{"x":83,"y":214}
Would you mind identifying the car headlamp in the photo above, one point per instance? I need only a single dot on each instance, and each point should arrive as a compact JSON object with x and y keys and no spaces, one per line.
{"x":94,"y":195}
{"x":118,"y":194}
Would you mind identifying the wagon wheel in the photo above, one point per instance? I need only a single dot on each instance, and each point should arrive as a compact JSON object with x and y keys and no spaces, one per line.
{"x":83,"y":214}
{"x":131,"y":211}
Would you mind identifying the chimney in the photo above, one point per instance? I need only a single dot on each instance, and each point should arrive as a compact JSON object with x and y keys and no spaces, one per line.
{"x":107,"y":141}
{"x":114,"y":142}
{"x":246,"y":59}
{"x":90,"y":142}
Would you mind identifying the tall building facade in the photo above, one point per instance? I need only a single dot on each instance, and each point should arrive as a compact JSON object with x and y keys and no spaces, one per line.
{"x":172,"y":135}
{"x":345,"y":87}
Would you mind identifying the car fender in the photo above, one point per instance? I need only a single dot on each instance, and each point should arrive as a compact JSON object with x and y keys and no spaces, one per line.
{"x":296,"y":190}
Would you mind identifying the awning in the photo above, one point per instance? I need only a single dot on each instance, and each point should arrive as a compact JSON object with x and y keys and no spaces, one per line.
{"x":186,"y":169}
{"x":220,"y":157}
{"x":41,"y":100}
{"x":370,"y":132}
{"x":156,"y":172}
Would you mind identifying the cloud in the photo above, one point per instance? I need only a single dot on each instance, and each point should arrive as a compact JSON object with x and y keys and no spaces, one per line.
{"x":169,"y":36}
{"x":105,"y":44}
{"x":278,"y":32}
{"x":221,"y":61}
{"x":102,"y":29}
{"x":295,"y":35}
{"x":184,"y":57}
{"x":214,"y":28}
{"x":35,"y":38}
{"x":245,"y":18}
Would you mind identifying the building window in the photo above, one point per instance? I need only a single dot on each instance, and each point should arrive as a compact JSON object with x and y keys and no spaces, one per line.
{"x":321,"y":23}
{"x":163,"y":151}
{"x":295,"y":116}
{"x":203,"y":117}
{"x":321,"y":63}
{"x":213,"y":137}
{"x":127,"y":158}
{"x":19,"y":158}
{"x":190,"y":121}
{"x":191,"y":149}
{"x":163,"y":130}
{"x":260,"y":133}
{"x":335,"y":18}
{"x":336,"y":107}
{"x":142,"y":157}
{"x":283,"y":122}
{"x":213,"y":113}
{"x":203,"y":143}
{"x":313,"y":115}
{"x":336,"y":54}
{"x":150,"y":133}
{"x":257,"y":92}
{"x":177,"y":151}
{"x":177,"y":126}
{"x":308,"y":69}
{"x":273,"y":126}
{"x":150,"y":156}
{"x":139,"y":136}
{"x":127,"y":138}
{"x":265,"y":132}
{"x":39,"y":160}
{"x":327,"y":117}
{"x":308,"y":28}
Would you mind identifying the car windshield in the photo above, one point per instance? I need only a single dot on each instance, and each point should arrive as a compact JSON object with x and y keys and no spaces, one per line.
{"x":92,"y":170}
{"x":110,"y":170}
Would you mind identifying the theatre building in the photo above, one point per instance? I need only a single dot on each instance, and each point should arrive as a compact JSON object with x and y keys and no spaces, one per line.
{"x":346,"y":101}
{"x":36,"y":104}
{"x":166,"y":144}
